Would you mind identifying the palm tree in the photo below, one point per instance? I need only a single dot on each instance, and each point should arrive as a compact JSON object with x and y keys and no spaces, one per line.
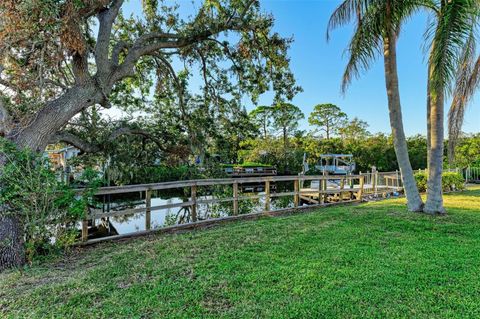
{"x":377,"y":29}
{"x":456,"y":20}
{"x":467,"y":83}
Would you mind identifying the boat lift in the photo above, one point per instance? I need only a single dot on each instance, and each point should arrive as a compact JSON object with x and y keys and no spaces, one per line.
{"x":332,"y":164}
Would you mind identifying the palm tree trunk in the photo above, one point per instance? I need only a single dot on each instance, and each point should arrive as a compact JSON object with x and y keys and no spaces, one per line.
{"x":434,"y":203}
{"x":414,"y":201}
{"x":285,"y":147}
{"x":429,"y":125}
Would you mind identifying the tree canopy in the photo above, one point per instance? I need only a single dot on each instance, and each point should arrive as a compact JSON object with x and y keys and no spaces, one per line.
{"x":67,"y":56}
{"x":328,"y":118}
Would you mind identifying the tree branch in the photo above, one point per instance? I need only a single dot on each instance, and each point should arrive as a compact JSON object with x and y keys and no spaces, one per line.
{"x":80,"y":67}
{"x":131,"y":131}
{"x":180,"y":88}
{"x":149,"y":44}
{"x":106,"y":19}
{"x":74,"y":140}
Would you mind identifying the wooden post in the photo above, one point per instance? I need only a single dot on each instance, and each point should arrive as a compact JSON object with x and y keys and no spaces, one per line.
{"x":194,"y":204}
{"x":296,"y":189}
{"x":148,"y":209}
{"x":267,"y":196}
{"x":235,"y":198}
{"x":321,"y":199}
{"x":85,"y":226}
{"x":360,"y":191}
{"x":325,"y":186}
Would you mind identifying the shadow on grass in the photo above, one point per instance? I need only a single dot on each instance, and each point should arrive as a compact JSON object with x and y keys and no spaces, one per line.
{"x":466,"y":193}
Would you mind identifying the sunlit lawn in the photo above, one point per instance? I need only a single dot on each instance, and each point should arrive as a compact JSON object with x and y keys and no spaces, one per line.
{"x":372,"y":260}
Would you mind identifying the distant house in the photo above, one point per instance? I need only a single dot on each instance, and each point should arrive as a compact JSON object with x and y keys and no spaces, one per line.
{"x":59,"y":157}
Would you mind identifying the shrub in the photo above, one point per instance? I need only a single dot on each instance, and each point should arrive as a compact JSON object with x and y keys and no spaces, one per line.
{"x":47,"y":208}
{"x":125,"y":175}
{"x":421,"y":179}
{"x":450,"y":181}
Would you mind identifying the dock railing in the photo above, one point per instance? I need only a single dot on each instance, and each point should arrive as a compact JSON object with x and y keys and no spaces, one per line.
{"x":347,"y":189}
{"x":378,"y":183}
{"x":471,"y":174}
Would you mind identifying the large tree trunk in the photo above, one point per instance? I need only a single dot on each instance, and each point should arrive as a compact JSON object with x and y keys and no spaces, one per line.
{"x":414,"y":201}
{"x":434,"y":203}
{"x":56,"y":114}
{"x":36,"y":137}
{"x":12,"y":251}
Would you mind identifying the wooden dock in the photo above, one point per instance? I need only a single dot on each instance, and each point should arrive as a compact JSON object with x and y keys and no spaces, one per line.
{"x":315,"y":196}
{"x":302,"y":197}
{"x":325,"y":190}
{"x":251,"y":171}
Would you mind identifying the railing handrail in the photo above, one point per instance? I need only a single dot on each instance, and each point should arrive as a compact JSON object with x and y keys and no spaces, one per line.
{"x":210,"y":182}
{"x":195,"y":200}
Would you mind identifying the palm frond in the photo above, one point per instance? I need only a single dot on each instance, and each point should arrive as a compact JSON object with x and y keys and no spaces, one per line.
{"x":366,"y":43}
{"x":364,"y":48}
{"x":348,"y":11}
{"x":456,"y":22}
{"x":466,"y":84}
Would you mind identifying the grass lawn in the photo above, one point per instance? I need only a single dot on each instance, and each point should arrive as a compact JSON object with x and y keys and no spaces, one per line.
{"x":371,"y":260}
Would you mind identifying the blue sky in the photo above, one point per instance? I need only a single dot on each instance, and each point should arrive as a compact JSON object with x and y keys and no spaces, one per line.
{"x":318,"y":67}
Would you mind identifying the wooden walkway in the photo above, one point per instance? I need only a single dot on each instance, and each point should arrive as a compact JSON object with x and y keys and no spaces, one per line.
{"x":301,"y":197}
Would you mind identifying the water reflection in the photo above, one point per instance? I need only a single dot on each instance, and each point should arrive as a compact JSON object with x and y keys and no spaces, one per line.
{"x":135,"y":222}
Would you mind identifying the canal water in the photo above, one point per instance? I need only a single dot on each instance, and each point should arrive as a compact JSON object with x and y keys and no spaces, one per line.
{"x":180,"y":215}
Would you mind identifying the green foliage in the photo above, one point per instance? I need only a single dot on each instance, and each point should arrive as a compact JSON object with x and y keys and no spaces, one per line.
{"x":155,"y":174}
{"x":374,"y":150}
{"x":451,"y":181}
{"x":328,"y":118}
{"x":261,"y":117}
{"x":271,"y":151}
{"x":46,"y":208}
{"x":417,"y":151}
{"x":467,"y":151}
{"x":355,"y":129}
{"x":286,"y":117}
{"x":421,"y":179}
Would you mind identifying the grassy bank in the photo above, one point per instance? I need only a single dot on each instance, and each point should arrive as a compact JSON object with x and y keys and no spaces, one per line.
{"x":372,"y":260}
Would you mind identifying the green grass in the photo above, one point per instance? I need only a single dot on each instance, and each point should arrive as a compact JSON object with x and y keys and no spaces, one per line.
{"x":372,"y":260}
